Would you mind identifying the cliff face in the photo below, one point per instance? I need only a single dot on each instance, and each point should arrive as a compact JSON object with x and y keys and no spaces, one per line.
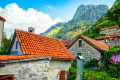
{"x":89,"y":12}
{"x":83,"y":19}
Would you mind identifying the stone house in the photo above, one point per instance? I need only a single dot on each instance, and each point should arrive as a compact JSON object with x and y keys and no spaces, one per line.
{"x":86,"y":47}
{"x":109,"y":29}
{"x":111,"y":39}
{"x":2,"y":20}
{"x":34,"y":57}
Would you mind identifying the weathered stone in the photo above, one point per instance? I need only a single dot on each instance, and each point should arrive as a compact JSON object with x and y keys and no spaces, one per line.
{"x":32,"y":75}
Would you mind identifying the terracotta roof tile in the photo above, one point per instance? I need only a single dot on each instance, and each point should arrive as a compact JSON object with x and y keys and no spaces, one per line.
{"x":113,"y":27}
{"x":96,"y":43}
{"x":38,"y":45}
{"x":103,"y":29}
{"x":118,"y":30}
{"x":17,"y":57}
{"x":2,"y":18}
{"x":110,"y":35}
{"x":67,"y":43}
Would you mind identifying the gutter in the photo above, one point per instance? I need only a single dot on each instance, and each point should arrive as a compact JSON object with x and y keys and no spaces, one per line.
{"x":25,"y":60}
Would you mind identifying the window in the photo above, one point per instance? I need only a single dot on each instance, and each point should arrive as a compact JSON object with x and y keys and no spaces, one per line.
{"x":105,"y":40}
{"x":111,"y":39}
{"x":80,"y":43}
{"x":30,"y":30}
{"x":16,"y":44}
{"x":79,"y":54}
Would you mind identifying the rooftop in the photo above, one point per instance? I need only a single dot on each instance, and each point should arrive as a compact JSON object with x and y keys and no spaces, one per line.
{"x":110,"y":35}
{"x":68,"y":43}
{"x":2,"y":18}
{"x":33,"y":44}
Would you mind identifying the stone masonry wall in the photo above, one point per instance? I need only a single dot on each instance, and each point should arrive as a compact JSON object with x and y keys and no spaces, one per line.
{"x":87,"y":51}
{"x":36,"y":70}
{"x":33,"y":70}
{"x":55,"y":68}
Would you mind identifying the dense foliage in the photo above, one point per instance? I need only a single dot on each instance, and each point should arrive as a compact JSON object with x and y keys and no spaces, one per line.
{"x":72,"y":73}
{"x":93,"y":75}
{"x":111,"y":18}
{"x":113,"y":69}
{"x":92,"y":63}
{"x":4,"y":49}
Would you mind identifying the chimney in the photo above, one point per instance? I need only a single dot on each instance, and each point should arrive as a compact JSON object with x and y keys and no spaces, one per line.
{"x":2,"y":20}
{"x":60,"y":38}
{"x":31,"y":29}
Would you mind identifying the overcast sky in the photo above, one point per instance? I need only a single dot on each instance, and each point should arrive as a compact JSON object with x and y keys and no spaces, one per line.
{"x":40,"y":14}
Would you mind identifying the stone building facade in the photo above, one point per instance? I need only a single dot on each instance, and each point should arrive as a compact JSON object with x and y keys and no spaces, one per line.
{"x":39,"y":68}
{"x":111,"y":39}
{"x":86,"y":50}
{"x":86,"y":47}
{"x":47,"y":59}
{"x":2,"y":20}
{"x":109,"y":29}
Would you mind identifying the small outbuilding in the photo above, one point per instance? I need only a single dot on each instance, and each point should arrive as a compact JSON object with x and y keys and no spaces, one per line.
{"x":34,"y":57}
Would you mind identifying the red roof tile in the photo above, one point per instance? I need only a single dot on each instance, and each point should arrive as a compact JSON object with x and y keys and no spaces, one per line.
{"x":110,"y":35}
{"x":118,"y":30}
{"x":67,"y":43}
{"x":2,"y":18}
{"x":103,"y":29}
{"x":17,"y":57}
{"x":38,"y":45}
{"x":96,"y":43}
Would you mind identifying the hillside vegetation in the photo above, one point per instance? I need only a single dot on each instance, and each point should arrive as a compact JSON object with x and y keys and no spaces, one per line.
{"x":83,"y":19}
{"x":111,"y":18}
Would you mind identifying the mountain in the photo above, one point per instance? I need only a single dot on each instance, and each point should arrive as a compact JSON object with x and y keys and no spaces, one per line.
{"x":83,"y":19}
{"x":111,"y":18}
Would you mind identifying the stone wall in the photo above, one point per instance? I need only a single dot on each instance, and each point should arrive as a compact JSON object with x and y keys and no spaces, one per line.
{"x":87,"y":51}
{"x":33,"y":70}
{"x":36,"y":70}
{"x":55,"y":68}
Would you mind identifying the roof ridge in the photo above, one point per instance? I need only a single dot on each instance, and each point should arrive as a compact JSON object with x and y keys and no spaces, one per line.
{"x":35,"y":34}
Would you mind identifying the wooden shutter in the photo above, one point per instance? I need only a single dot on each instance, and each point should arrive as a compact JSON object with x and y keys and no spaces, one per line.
{"x":7,"y":77}
{"x":62,"y":75}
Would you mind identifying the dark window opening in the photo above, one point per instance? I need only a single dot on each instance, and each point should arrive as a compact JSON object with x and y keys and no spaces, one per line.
{"x":16,"y":44}
{"x":80,"y":43}
{"x":30,"y":30}
{"x":79,"y":54}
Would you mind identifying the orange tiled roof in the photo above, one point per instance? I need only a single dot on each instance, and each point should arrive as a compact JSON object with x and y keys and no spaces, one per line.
{"x":33,"y":44}
{"x":110,"y":35}
{"x":96,"y":43}
{"x":2,"y":18}
{"x":103,"y":29}
{"x":118,"y":30}
{"x":17,"y":57}
{"x":67,"y":43}
{"x":113,"y":27}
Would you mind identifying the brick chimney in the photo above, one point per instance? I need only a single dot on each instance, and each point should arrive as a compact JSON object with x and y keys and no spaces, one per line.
{"x":31,"y":29}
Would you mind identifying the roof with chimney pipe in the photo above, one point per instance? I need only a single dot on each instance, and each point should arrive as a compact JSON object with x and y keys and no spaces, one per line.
{"x":34,"y":44}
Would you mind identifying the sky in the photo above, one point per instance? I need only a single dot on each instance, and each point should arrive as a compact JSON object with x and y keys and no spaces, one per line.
{"x":40,"y":14}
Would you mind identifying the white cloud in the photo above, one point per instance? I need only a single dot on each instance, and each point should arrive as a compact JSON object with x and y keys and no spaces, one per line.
{"x":17,"y":18}
{"x":49,"y":6}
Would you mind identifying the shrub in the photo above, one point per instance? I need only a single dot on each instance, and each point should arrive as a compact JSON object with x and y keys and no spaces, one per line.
{"x":93,"y":75}
{"x":72,"y":73}
{"x":92,"y":63}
